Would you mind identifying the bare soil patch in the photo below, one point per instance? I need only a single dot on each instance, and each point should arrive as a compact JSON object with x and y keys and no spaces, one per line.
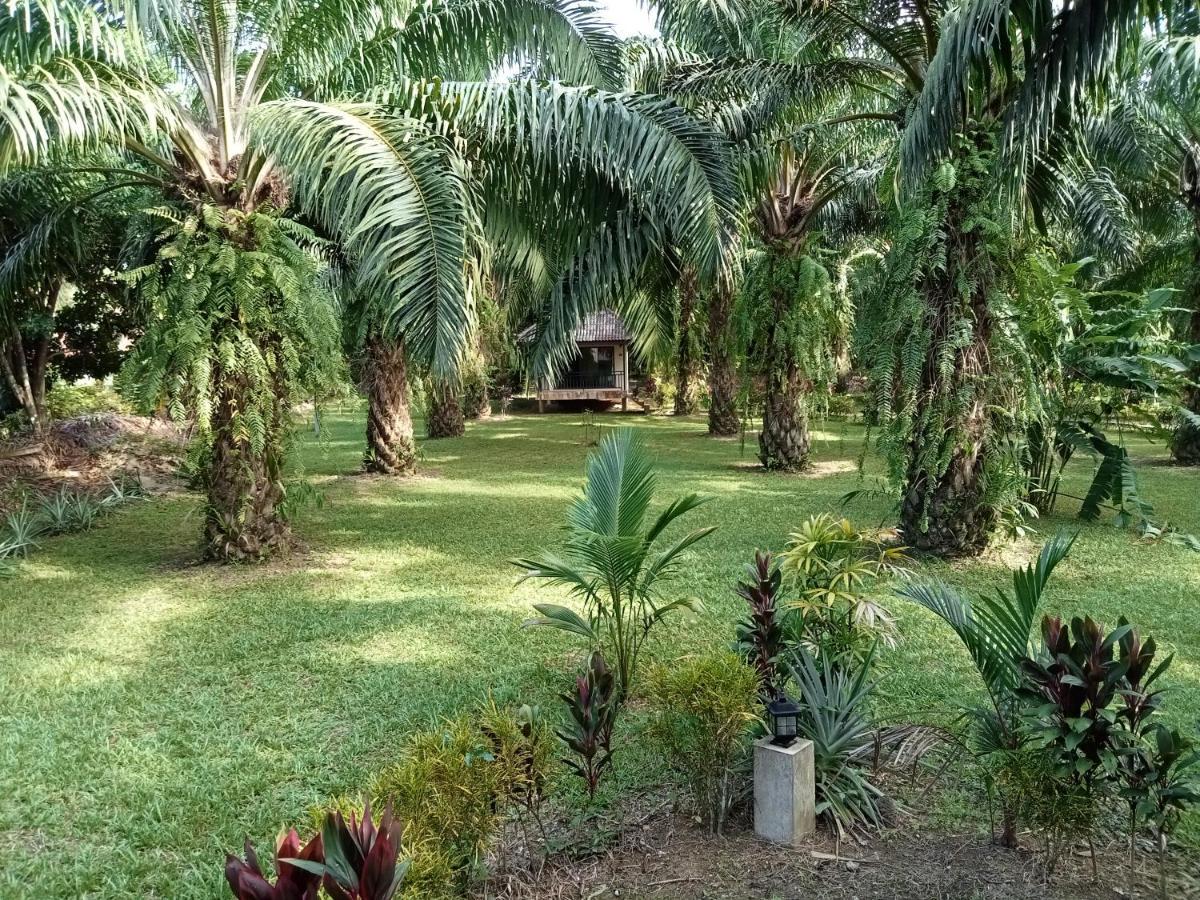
{"x":671,"y":856}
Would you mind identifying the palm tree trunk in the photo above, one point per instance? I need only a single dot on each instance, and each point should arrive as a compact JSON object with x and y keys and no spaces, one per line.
{"x":723,"y":419}
{"x":443,"y":413}
{"x":687,"y":403}
{"x":784,"y":441}
{"x":391,"y":449}
{"x":946,"y":514}
{"x":1185,"y":445}
{"x":245,"y":487}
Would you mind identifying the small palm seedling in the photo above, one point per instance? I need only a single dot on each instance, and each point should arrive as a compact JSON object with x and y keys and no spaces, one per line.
{"x":609,"y":559}
{"x":995,"y":632}
{"x":593,"y":706}
{"x":294,"y":877}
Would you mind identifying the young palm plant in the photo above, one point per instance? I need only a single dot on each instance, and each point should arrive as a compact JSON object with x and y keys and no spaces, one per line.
{"x":996,"y":633}
{"x":610,"y":559}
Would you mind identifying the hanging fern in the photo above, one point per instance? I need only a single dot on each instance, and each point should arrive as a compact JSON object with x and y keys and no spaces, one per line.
{"x":240,"y":327}
{"x":936,"y":329}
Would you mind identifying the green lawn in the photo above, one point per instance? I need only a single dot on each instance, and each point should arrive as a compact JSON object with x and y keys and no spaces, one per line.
{"x":152,"y":712}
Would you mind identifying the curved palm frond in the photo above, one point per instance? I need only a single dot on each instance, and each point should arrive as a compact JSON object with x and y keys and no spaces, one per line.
{"x":392,"y":195}
{"x":675,"y":169}
{"x":997,"y":629}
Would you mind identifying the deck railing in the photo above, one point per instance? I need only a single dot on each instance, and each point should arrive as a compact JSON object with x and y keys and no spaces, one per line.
{"x":587,"y":381}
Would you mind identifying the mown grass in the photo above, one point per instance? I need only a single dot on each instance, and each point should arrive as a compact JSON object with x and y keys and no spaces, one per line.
{"x":153,"y":713}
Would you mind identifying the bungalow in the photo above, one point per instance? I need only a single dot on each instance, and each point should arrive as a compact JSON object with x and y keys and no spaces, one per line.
{"x":600,"y":369}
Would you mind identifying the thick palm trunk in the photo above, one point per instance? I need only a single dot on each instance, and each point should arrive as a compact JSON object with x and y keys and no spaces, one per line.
{"x":946,"y":514}
{"x":245,"y":487}
{"x":723,"y":417}
{"x":480,"y":406}
{"x":1185,"y":445}
{"x":391,"y":449}
{"x":687,"y":369}
{"x":784,"y":441}
{"x":444,"y":414}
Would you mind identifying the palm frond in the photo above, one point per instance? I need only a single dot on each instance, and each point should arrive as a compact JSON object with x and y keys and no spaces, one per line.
{"x":390,"y":192}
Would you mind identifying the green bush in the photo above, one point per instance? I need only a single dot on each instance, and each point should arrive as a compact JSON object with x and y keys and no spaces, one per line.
{"x":66,"y":401}
{"x":705,"y":708}
{"x":454,"y":786}
{"x":832,"y":566}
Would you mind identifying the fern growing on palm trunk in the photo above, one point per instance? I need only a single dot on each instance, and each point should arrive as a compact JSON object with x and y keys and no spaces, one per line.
{"x":239,"y":329}
{"x":934,"y":344}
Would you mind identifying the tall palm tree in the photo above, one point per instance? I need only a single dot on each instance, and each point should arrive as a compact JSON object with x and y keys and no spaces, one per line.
{"x":980,"y":91}
{"x":1148,"y":142}
{"x":762,"y":79}
{"x":224,"y":107}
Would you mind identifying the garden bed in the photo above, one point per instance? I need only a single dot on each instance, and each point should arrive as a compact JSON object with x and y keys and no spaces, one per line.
{"x":671,"y":856}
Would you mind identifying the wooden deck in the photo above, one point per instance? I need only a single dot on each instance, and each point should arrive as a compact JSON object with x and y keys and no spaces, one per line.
{"x":602,"y":395}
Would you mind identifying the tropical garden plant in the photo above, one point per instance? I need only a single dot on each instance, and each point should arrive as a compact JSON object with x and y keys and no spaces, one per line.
{"x":705,"y":709}
{"x":592,"y":705}
{"x":832,"y":567}
{"x":611,"y":560}
{"x":995,"y":631}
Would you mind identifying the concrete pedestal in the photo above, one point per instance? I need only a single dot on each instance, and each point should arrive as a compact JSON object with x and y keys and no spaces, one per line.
{"x":785,"y":796}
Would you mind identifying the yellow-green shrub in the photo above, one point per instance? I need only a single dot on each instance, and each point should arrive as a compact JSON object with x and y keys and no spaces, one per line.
{"x":704,"y":711}
{"x":454,"y":785}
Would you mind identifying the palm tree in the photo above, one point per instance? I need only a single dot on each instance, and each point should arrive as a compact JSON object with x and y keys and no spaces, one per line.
{"x":762,"y":79}
{"x":1148,"y":143}
{"x":241,"y":135}
{"x":979,"y":91}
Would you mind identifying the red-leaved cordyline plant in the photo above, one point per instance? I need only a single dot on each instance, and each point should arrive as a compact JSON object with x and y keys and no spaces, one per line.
{"x":294,"y":875}
{"x":760,"y":636}
{"x":361,"y":857}
{"x":593,"y":706}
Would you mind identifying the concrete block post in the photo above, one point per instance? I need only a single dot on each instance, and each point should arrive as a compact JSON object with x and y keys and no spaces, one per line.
{"x":785,"y":796}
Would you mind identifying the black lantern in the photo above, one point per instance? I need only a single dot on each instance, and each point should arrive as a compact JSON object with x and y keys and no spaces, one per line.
{"x":783,"y":714}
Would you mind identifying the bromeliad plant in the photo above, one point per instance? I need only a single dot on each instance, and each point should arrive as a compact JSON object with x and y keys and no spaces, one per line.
{"x":609,"y":559}
{"x":832,"y":700}
{"x":593,"y":706}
